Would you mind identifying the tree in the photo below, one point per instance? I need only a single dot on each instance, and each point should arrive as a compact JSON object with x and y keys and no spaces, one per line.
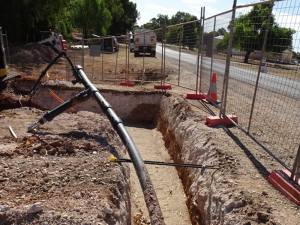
{"x":249,"y":32}
{"x":222,"y":31}
{"x":124,"y":16}
{"x":190,"y":34}
{"x":158,"y":22}
{"x":184,"y":34}
{"x":22,"y":17}
{"x":91,"y":16}
{"x":116,"y":10}
{"x":180,"y":17}
{"x":296,"y":55}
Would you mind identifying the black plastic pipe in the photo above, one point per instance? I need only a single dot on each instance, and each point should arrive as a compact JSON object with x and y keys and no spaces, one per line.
{"x":150,"y":197}
{"x":151,"y":200}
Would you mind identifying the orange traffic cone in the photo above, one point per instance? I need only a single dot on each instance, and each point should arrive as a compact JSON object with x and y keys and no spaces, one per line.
{"x":212,"y":91}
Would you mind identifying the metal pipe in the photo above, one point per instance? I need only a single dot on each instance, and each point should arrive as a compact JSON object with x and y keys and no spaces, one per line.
{"x":113,"y":159}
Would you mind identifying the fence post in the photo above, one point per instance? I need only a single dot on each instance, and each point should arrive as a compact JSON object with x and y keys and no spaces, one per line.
{"x":165,"y":41}
{"x":198,"y":56}
{"x":296,"y":168}
{"x":263,"y":50}
{"x":128,"y":53}
{"x":202,"y":44}
{"x":116,"y":61}
{"x":163,"y":51}
{"x":102,"y":48}
{"x":226,"y":74}
{"x":180,"y":40}
{"x":212,"y":49}
{"x":143,"y":60}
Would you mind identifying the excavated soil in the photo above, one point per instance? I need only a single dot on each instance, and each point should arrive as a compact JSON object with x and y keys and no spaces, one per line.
{"x":61,"y":174}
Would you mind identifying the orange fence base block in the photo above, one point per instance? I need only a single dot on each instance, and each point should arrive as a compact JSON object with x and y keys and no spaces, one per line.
{"x":281,"y":180}
{"x":195,"y":96}
{"x":126,"y":84}
{"x":163,"y":87}
{"x":212,"y":121}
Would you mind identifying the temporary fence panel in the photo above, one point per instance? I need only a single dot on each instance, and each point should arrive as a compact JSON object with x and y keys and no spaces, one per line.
{"x":263,"y":86}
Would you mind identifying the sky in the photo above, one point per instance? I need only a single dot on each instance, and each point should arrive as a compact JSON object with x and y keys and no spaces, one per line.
{"x":150,"y":9}
{"x":287,"y":12}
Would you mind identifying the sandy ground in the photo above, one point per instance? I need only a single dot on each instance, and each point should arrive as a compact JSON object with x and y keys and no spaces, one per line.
{"x":70,"y":190}
{"x":165,"y":179}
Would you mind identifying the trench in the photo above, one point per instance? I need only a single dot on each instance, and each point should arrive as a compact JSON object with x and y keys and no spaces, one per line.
{"x":154,"y":116}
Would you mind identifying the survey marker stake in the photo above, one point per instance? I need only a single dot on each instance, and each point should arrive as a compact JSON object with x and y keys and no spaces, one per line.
{"x":203,"y":167}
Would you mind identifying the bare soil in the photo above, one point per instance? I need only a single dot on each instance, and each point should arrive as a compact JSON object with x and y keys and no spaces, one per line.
{"x":64,"y":173}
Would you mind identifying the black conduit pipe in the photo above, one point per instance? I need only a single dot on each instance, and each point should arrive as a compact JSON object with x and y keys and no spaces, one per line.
{"x":150,"y":197}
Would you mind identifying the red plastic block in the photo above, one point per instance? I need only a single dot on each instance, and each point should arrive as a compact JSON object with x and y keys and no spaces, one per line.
{"x":212,"y":121}
{"x":126,"y":84}
{"x":227,"y":122}
{"x":195,"y":96}
{"x":281,"y":180}
{"x":162,"y":86}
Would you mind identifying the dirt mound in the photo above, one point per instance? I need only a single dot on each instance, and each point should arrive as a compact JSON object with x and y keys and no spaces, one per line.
{"x":33,"y":53}
{"x":61,"y":174}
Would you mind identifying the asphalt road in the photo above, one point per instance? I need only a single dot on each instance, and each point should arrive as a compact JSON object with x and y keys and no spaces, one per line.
{"x":278,"y":84}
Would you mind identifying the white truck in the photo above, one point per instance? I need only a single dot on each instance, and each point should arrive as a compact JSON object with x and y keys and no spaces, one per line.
{"x":144,"y":42}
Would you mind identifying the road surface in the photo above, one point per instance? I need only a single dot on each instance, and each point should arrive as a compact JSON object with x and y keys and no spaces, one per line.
{"x":278,"y":84}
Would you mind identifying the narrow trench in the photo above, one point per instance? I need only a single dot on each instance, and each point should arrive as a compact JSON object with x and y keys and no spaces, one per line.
{"x":196,"y":216}
{"x":167,"y":184}
{"x":172,"y":184}
{"x":157,"y":143}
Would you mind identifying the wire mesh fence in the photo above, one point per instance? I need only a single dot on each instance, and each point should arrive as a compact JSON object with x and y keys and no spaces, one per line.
{"x":111,"y":60}
{"x":257,"y":73}
{"x":264,"y":86}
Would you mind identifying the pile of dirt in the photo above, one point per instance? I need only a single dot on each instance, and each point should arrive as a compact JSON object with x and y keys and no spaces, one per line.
{"x":150,"y":74}
{"x":33,"y":53}
{"x":61,"y":174}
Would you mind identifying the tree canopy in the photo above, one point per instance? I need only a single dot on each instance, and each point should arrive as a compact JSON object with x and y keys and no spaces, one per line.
{"x":187,"y":34}
{"x":124,"y":16}
{"x":249,"y":32}
{"x":28,"y":17}
{"x":20,"y":17}
{"x":91,"y":16}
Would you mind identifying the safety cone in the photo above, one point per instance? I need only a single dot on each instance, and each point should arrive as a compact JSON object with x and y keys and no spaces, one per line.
{"x":212,"y":91}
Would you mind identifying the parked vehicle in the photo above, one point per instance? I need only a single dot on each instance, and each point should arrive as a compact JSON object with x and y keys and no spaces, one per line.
{"x":78,"y":47}
{"x":131,"y":44}
{"x":109,"y":44}
{"x":294,"y":61}
{"x":144,"y":42}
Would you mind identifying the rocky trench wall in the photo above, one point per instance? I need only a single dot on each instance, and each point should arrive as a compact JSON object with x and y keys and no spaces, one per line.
{"x":186,"y":137}
{"x":188,"y":140}
{"x":132,"y":104}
